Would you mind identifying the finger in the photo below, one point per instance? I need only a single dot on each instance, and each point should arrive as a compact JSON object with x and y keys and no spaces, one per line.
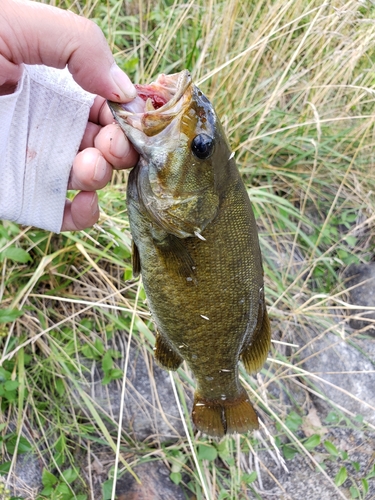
{"x":92,"y":130}
{"x":72,"y":40}
{"x":81,"y":213}
{"x":115,"y":147}
{"x":90,"y":171}
{"x":100,"y":112}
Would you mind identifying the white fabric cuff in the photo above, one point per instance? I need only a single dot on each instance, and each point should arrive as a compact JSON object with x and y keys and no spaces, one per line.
{"x":41,"y":127}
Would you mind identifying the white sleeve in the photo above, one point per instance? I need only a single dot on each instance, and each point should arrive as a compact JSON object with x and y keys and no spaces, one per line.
{"x":41,"y":127}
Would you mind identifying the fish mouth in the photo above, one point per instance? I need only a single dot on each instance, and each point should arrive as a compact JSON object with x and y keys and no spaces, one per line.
{"x":156,"y":103}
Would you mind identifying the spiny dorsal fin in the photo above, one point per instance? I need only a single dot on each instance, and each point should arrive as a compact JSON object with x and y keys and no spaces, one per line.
{"x":136,"y":261}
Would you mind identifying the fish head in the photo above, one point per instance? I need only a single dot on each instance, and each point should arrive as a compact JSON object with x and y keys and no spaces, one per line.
{"x":182,"y":148}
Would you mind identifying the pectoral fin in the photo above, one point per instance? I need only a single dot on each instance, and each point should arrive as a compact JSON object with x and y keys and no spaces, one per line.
{"x":177,"y":257}
{"x":136,"y":261}
{"x":254,"y":353}
{"x":166,"y":356}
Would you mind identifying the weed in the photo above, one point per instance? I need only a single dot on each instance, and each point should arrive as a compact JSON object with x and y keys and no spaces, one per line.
{"x":293,"y":85}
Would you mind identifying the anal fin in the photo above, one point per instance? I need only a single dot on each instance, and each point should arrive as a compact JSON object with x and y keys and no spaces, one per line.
{"x":254,"y":353}
{"x":165,"y":355}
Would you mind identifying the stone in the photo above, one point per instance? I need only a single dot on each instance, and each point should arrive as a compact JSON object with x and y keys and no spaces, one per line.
{"x":329,"y":358}
{"x":150,"y":409}
{"x":26,"y":479}
{"x":360,"y":282}
{"x":155,"y":484}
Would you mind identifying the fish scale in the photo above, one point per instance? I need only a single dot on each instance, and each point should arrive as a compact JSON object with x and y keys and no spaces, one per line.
{"x":198,"y":253}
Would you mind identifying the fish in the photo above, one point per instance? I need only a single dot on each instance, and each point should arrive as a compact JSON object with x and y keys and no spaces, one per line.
{"x":195,"y":243}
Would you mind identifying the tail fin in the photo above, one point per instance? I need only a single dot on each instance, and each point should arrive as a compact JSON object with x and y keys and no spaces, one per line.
{"x":217,"y":418}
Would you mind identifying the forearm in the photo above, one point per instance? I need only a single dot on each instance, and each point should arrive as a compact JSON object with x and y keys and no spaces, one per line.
{"x":41,"y":126}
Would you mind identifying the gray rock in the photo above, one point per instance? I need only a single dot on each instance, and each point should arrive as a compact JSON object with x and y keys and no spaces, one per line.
{"x":329,"y":358}
{"x":303,"y":479}
{"x":155,"y":484}
{"x":360,"y":280}
{"x":150,"y":409}
{"x":26,"y":479}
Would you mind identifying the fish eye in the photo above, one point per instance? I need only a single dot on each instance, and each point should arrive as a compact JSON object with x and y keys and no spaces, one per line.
{"x":202,"y":146}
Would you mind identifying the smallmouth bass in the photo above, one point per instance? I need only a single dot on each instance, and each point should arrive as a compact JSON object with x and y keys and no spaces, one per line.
{"x":196,"y":244}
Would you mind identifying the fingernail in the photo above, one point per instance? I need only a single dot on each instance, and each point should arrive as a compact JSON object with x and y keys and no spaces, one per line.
{"x":100,"y":170}
{"x":119,"y":145}
{"x":94,"y":204}
{"x":127,"y":91}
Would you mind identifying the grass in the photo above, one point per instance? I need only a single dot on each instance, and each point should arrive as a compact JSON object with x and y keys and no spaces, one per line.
{"x":293,"y":84}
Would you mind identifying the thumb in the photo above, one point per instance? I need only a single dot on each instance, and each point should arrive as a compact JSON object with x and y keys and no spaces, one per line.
{"x":34,"y":33}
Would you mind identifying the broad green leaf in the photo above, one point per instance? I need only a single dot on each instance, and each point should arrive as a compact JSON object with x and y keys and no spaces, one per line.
{"x":223,"y":450}
{"x":289,"y":452}
{"x":4,"y":374}
{"x":365,"y":486}
{"x":5,"y":467}
{"x":48,"y":479}
{"x":107,"y":362}
{"x":371,"y":473}
{"x":341,"y":476}
{"x":293,"y":421}
{"x":11,"y":385}
{"x":47,"y":491}
{"x":9,"y":315}
{"x":312,"y":442}
{"x":354,"y":493}
{"x":60,"y":444}
{"x":23,"y":445}
{"x":206,"y":452}
{"x":332,"y":418}
{"x":107,"y":489}
{"x":63,"y":491}
{"x":249,"y":478}
{"x":59,"y":386}
{"x":70,"y":475}
{"x":331,"y":448}
{"x":99,"y":346}
{"x":15,"y":254}
{"x":175,"y":477}
{"x":116,"y":373}
{"x":356,"y":466}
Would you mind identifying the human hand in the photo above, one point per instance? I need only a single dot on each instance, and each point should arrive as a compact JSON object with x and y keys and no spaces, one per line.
{"x":34,"y":33}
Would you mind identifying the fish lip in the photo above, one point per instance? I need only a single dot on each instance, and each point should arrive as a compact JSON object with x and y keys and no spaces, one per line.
{"x":183,"y":81}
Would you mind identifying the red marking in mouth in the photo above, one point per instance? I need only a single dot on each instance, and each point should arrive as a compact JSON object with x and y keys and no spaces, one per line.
{"x":148,"y":92}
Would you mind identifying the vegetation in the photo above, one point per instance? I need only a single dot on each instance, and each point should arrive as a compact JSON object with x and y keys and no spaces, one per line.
{"x":293,"y":84}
